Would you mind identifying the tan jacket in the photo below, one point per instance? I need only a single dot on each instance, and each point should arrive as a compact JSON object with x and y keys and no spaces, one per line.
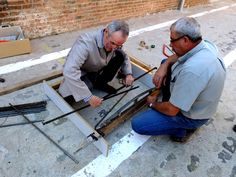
{"x":86,"y":55}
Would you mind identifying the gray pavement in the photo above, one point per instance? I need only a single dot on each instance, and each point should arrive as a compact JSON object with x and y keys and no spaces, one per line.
{"x":210,"y":153}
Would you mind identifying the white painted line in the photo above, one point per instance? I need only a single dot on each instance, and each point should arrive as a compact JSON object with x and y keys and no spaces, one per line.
{"x":230,"y":58}
{"x":53,"y":56}
{"x":165,"y":24}
{"x":150,"y":28}
{"x":102,"y":166}
{"x":28,"y":63}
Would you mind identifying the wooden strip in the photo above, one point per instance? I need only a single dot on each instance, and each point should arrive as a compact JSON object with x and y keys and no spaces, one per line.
{"x":29,"y":82}
{"x":76,"y":118}
{"x":139,"y":63}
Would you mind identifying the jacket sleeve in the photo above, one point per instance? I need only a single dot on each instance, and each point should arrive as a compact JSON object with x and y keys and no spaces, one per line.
{"x":126,"y":66}
{"x":72,"y":70}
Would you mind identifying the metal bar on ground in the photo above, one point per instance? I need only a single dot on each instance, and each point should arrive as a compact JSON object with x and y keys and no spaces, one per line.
{"x":43,"y":133}
{"x":21,"y":123}
{"x":99,"y":122}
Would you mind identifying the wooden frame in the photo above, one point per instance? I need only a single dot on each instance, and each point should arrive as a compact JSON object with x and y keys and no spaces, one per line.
{"x":79,"y":121}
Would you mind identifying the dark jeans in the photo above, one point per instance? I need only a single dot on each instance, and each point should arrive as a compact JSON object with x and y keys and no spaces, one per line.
{"x":152,"y":122}
{"x":107,"y":73}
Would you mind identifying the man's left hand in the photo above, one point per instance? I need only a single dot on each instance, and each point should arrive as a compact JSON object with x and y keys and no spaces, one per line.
{"x":151,"y":99}
{"x":129,"y":79}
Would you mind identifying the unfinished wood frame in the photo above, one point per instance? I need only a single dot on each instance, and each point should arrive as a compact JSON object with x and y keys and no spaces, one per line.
{"x":79,"y":121}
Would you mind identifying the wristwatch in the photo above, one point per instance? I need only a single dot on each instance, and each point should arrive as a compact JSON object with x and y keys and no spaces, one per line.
{"x":150,"y":105}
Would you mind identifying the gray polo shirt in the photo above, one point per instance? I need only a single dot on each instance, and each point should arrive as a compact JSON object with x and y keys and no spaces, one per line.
{"x":197,"y":81}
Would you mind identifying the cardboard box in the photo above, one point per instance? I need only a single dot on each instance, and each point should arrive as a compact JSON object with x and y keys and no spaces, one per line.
{"x":12,"y":41}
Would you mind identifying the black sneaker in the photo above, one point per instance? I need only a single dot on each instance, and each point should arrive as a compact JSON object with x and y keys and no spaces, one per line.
{"x":106,"y":88}
{"x":189,"y":133}
{"x":234,"y":128}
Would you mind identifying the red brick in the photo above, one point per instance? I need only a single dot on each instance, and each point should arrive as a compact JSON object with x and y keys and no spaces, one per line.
{"x":41,"y":18}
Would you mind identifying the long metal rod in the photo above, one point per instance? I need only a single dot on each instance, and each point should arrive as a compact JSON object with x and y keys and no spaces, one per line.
{"x":125,"y":112}
{"x":99,"y":122}
{"x":21,"y":123}
{"x":79,"y":109}
{"x":123,"y":86}
{"x":50,"y":139}
{"x":125,"y":91}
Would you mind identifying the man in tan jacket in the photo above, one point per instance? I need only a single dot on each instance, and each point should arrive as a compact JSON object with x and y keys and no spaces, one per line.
{"x":94,"y":60}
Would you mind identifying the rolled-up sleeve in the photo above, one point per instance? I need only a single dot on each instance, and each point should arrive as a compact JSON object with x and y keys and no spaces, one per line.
{"x":126,"y":66}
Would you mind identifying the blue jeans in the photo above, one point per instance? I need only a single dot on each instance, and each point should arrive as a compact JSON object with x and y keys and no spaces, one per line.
{"x":152,"y":122}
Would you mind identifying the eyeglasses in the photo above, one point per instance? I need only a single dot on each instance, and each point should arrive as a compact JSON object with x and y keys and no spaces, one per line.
{"x":114,"y":44}
{"x":174,"y":40}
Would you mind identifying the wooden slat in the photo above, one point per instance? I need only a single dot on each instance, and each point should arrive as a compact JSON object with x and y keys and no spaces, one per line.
{"x":27,"y":83}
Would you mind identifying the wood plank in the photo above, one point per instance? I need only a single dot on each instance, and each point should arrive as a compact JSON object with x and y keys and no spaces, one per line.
{"x":29,"y":82}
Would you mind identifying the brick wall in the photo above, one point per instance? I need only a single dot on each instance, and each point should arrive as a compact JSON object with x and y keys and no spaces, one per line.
{"x":45,"y":17}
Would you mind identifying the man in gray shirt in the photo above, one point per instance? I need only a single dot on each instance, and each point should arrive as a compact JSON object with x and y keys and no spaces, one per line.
{"x":192,"y":81}
{"x":94,"y":60}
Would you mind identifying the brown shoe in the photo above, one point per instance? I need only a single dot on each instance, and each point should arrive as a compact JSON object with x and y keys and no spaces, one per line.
{"x":189,"y":133}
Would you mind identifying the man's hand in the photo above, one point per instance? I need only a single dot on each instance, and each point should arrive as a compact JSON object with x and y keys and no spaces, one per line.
{"x":95,"y":101}
{"x":151,"y":99}
{"x":159,"y":78}
{"x":129,"y":79}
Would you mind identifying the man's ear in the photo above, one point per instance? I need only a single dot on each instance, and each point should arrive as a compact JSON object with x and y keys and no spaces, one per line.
{"x":106,"y":31}
{"x":186,"y":38}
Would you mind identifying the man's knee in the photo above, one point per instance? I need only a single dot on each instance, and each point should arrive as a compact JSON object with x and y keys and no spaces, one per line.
{"x":135,"y":124}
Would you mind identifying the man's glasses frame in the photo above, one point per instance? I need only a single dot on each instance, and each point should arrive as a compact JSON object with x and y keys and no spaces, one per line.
{"x":174,"y":40}
{"x":113,"y":43}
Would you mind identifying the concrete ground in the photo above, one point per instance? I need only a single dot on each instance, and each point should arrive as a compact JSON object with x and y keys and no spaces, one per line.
{"x":210,"y":152}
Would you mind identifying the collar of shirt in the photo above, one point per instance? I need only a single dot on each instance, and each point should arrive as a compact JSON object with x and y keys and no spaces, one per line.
{"x":100,"y":39}
{"x":193,"y":51}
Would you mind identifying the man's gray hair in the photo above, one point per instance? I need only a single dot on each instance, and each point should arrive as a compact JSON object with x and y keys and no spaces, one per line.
{"x":118,"y":25}
{"x":187,"y":26}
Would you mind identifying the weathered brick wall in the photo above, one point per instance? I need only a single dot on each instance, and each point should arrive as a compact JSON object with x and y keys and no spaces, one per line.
{"x":45,"y":17}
